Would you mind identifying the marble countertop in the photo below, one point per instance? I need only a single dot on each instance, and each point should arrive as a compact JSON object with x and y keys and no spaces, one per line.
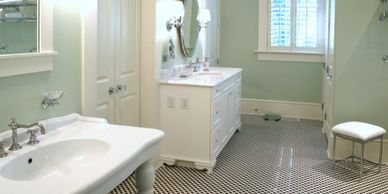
{"x":210,"y":78}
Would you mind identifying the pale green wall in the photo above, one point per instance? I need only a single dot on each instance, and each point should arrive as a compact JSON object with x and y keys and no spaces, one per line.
{"x":20,"y":95}
{"x":361,"y":77}
{"x":286,"y":81}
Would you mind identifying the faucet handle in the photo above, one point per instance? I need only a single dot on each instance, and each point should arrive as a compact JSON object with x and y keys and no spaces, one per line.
{"x":33,"y":140}
{"x":13,"y":124}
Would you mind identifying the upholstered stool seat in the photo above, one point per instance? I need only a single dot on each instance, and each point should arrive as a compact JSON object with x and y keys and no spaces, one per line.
{"x":358,"y":132}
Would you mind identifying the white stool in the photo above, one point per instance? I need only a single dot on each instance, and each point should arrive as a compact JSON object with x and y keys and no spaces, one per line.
{"x":358,"y":132}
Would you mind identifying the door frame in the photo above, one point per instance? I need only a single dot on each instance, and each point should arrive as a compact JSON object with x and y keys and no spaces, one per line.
{"x":89,"y":59}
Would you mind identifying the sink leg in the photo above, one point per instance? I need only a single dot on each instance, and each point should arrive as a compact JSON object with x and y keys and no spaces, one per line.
{"x":145,"y":178}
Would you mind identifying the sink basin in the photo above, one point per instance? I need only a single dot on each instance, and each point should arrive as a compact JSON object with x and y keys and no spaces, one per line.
{"x":55,"y":159}
{"x":209,"y":73}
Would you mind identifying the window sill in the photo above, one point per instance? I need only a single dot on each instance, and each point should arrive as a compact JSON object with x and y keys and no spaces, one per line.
{"x":17,"y":64}
{"x":290,"y":56}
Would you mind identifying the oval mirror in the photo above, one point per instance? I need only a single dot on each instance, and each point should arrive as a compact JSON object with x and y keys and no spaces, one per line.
{"x":189,"y":30}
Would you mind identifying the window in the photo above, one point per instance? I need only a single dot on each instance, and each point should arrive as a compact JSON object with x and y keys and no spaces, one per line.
{"x":291,"y":30}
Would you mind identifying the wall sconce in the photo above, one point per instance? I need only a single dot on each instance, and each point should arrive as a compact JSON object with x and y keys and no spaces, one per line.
{"x":173,"y":22}
{"x":204,"y":18}
{"x":176,"y":10}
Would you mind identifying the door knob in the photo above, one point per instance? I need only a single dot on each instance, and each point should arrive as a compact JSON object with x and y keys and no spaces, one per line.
{"x":112,"y":90}
{"x":121,"y":87}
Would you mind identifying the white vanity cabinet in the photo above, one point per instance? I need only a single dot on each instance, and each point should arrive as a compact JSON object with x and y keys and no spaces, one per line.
{"x":199,"y":116}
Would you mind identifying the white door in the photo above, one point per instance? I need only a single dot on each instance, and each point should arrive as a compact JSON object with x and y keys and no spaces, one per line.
{"x":106,"y":59}
{"x":118,"y":64}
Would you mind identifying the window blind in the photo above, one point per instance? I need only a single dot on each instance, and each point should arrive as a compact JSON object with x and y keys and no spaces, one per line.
{"x":294,"y":24}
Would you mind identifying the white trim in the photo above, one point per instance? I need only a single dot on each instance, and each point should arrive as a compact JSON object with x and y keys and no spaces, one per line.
{"x":28,"y":55}
{"x":301,"y":110}
{"x":263,"y":26}
{"x":24,"y":63}
{"x":18,"y":64}
{"x":290,"y":56}
{"x":89,"y":59}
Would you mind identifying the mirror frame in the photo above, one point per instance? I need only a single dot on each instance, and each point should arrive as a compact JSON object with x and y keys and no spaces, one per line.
{"x":181,"y":33}
{"x":42,"y":60}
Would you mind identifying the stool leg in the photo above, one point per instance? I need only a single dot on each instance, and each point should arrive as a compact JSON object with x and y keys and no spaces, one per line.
{"x":334,"y":142}
{"x":353,"y":151}
{"x":381,"y":152}
{"x":362,"y":160}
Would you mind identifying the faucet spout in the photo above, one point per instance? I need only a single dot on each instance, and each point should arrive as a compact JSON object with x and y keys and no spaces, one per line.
{"x":36,"y":124}
{"x":14,"y":126}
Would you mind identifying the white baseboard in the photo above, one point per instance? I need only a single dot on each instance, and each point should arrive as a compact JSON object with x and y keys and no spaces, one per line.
{"x":300,"y":110}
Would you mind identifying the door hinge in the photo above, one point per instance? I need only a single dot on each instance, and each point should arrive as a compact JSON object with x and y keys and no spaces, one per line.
{"x":325,"y":117}
{"x":322,"y":106}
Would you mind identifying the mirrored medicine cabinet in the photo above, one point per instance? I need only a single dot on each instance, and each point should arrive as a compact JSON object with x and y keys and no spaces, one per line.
{"x":26,"y":39}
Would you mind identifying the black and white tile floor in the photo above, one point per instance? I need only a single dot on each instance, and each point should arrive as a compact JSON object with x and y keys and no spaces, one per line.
{"x":269,"y":157}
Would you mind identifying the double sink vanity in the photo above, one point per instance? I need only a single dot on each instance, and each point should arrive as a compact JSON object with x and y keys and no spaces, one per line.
{"x":199,"y":114}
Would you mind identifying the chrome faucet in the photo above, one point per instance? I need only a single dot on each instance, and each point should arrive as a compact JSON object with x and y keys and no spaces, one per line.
{"x":196,"y":65}
{"x":31,"y":128}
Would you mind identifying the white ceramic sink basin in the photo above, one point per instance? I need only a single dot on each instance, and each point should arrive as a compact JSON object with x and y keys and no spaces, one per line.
{"x":80,"y":155}
{"x":209,"y":73}
{"x":56,"y":159}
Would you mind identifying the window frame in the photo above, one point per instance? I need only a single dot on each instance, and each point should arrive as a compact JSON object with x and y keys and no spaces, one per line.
{"x":267,"y":53}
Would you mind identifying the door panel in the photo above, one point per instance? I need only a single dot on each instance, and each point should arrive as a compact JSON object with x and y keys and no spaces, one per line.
{"x":127,"y":74}
{"x":106,"y":57}
{"x":118,"y":61}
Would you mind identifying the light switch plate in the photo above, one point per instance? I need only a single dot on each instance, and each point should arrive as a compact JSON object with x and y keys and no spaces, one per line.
{"x":170,"y":101}
{"x":185,"y":103}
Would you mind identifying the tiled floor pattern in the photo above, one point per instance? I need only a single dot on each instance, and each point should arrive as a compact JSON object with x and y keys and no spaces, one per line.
{"x":269,"y":157}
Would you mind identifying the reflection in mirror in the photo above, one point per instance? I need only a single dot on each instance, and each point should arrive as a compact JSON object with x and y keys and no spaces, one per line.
{"x":189,"y":30}
{"x":18,"y":26}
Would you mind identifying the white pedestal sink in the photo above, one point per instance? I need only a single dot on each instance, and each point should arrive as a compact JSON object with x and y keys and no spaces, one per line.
{"x":55,"y":159}
{"x":81,"y":155}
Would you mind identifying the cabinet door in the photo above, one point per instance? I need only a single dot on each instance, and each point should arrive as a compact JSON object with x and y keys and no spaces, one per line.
{"x":237,"y":102}
{"x":216,"y":114}
{"x":230,"y":116}
{"x":216,"y":142}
